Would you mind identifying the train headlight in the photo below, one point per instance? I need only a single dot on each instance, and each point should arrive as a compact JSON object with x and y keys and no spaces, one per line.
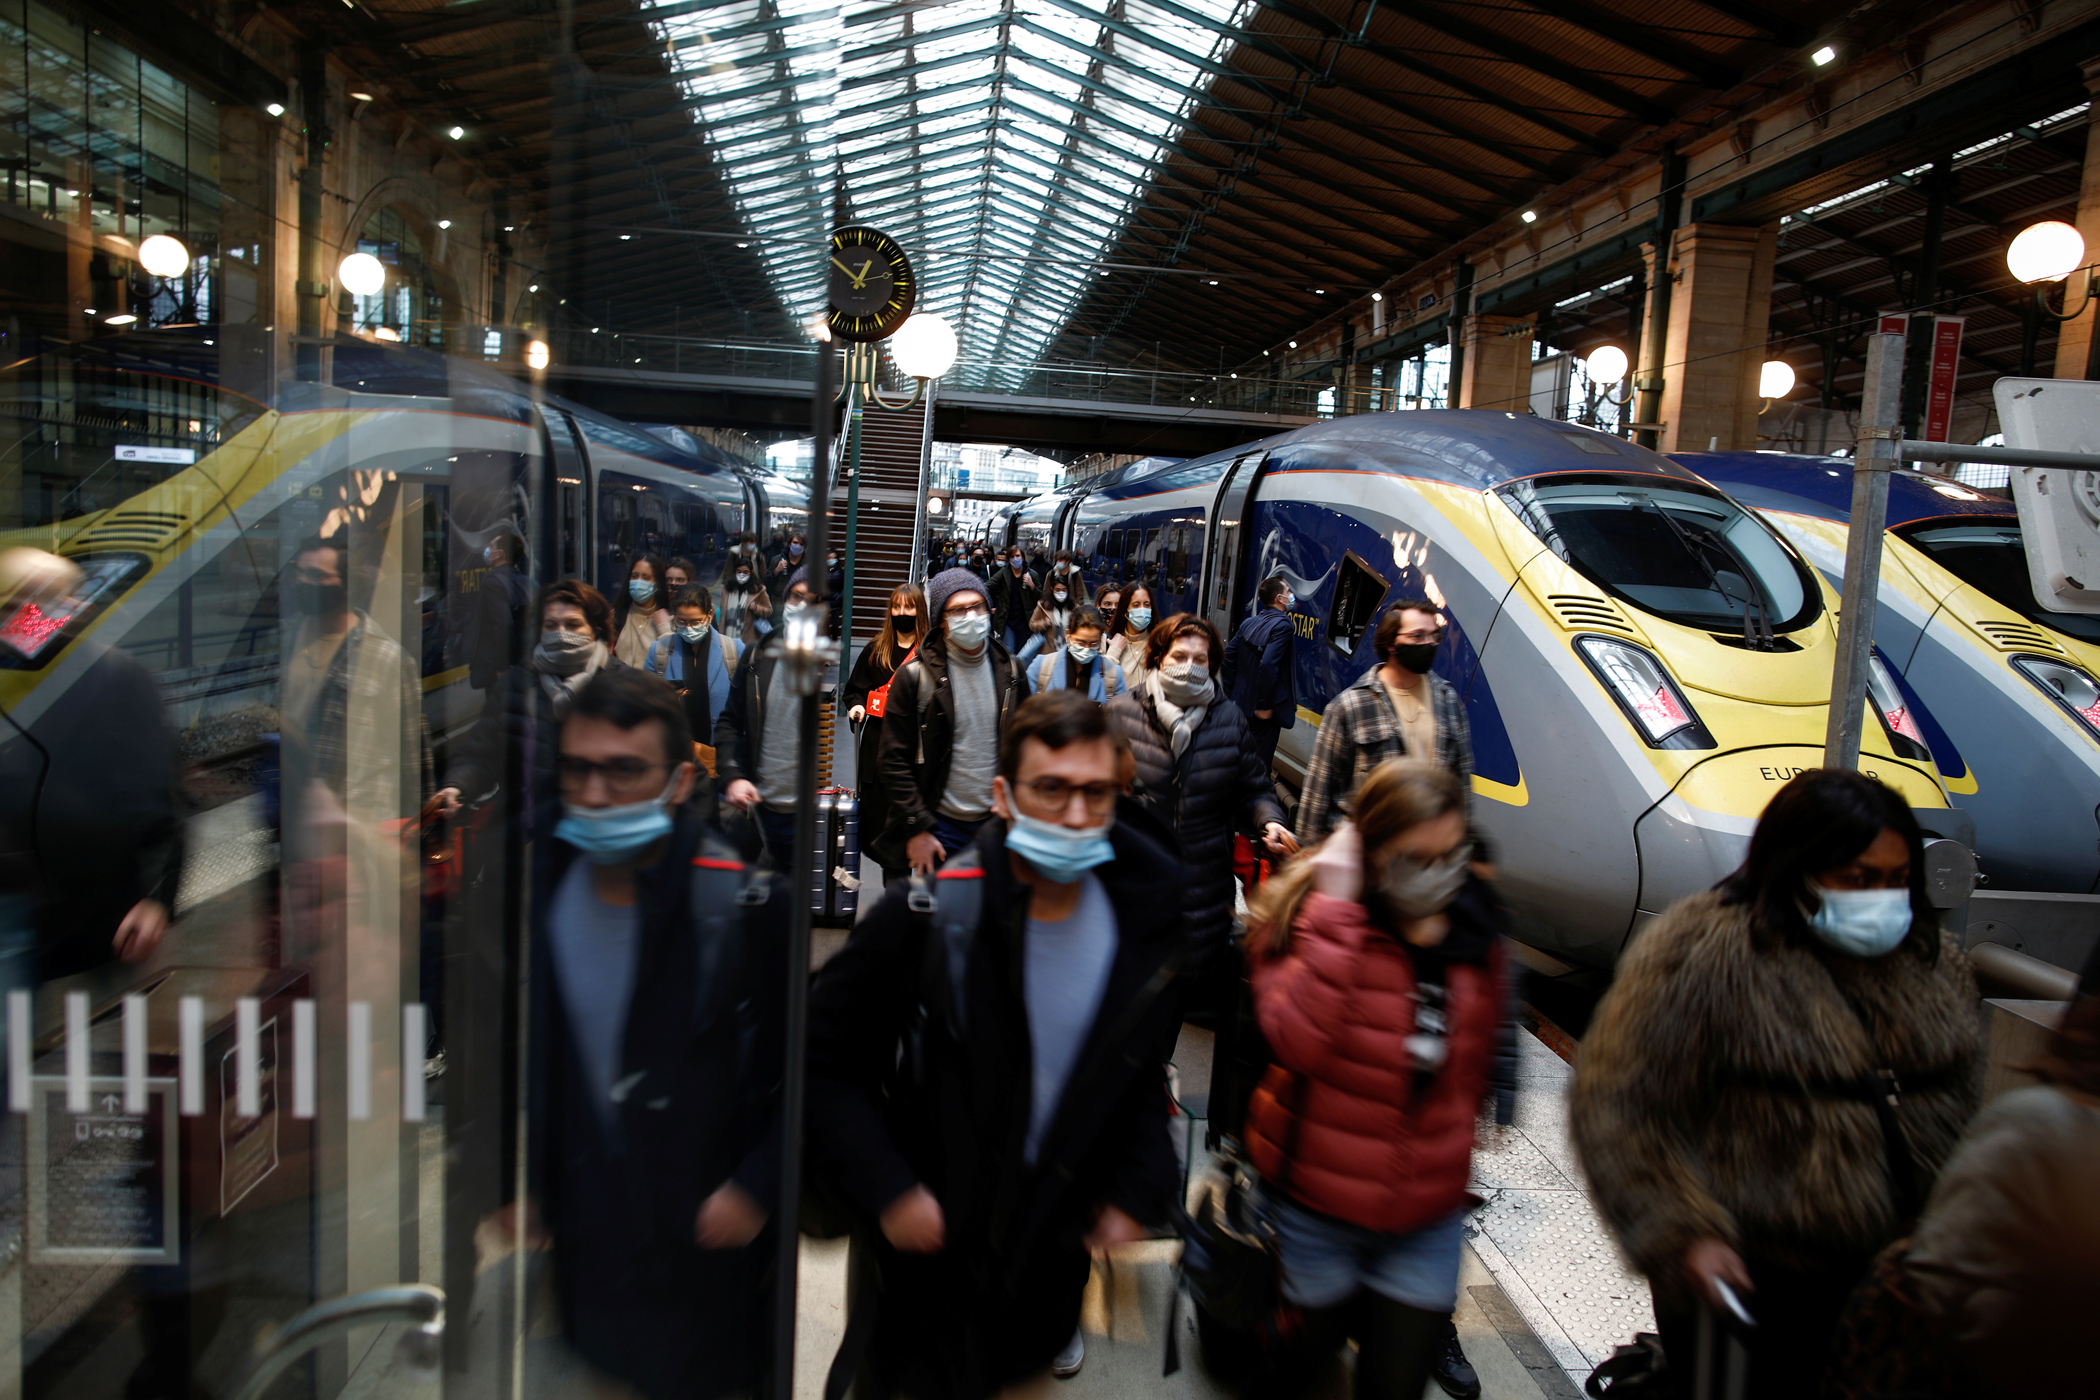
{"x":1905,"y":737}
{"x":2067,"y":686}
{"x":1645,"y":692}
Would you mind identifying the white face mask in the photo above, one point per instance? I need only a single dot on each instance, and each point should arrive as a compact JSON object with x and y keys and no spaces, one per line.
{"x":692,"y":631}
{"x":1059,"y":594}
{"x":1083,"y":654}
{"x":1417,"y":891}
{"x":1862,"y":923}
{"x":970,"y":632}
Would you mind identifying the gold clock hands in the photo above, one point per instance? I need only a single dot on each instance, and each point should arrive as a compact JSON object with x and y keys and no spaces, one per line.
{"x":862,"y":279}
{"x":845,"y":269}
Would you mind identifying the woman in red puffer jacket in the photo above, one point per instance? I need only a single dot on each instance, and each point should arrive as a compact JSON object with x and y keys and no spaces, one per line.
{"x":1378,"y":980}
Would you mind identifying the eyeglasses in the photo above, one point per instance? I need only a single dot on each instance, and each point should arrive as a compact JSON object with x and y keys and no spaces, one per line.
{"x":1055,"y":794}
{"x":967,"y":610}
{"x":624,"y":777}
{"x":1417,"y":638}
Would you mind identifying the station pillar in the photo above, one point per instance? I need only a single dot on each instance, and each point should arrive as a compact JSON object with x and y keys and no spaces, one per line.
{"x":2074,"y":338}
{"x":1714,"y":345}
{"x":1498,"y":363}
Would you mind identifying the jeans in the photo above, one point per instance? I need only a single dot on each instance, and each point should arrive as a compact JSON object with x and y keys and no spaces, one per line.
{"x":1327,"y":1261}
{"x":778,"y":829}
{"x":954,"y":834}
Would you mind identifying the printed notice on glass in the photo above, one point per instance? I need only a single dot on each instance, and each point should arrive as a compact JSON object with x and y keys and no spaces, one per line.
{"x":103,"y":1185}
{"x":247,"y":1146}
{"x":177,"y":456}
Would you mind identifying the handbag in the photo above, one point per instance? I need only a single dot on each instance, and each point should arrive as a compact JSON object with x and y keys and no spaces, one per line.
{"x":879,"y":698}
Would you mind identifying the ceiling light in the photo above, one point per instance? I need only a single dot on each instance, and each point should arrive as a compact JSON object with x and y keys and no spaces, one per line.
{"x":510,"y":228}
{"x":533,"y":288}
{"x":457,"y":132}
{"x":1824,"y":56}
{"x":124,"y":320}
{"x":1607,"y":364}
{"x":1378,"y":296}
{"x":2046,"y":252}
{"x":164,"y":256}
{"x":1529,"y":216}
{"x":362,"y":273}
{"x":1775,"y":380}
{"x":625,"y":237}
{"x":444,"y":223}
{"x":275,"y":109}
{"x":924,"y":346}
{"x":1235,"y":376}
{"x":1319,"y":291}
{"x":537,"y":354}
{"x":1214,"y":281}
{"x":1294,"y":345}
{"x":88,"y":310}
{"x":743,"y":245}
{"x":360,"y":97}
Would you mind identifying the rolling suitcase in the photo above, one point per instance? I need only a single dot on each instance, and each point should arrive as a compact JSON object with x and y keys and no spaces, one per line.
{"x":835,"y":883}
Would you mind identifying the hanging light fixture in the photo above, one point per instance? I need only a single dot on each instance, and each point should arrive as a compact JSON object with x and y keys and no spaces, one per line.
{"x":164,"y":256}
{"x":362,"y":274}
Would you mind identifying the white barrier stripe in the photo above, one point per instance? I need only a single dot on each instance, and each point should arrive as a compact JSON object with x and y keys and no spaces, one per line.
{"x":192,"y":1048}
{"x":247,"y":1056}
{"x":134,"y":1055}
{"x":303,"y":1042}
{"x":19,"y":1011}
{"x":360,"y":1061}
{"x":412,"y":1042}
{"x":77,"y":1052}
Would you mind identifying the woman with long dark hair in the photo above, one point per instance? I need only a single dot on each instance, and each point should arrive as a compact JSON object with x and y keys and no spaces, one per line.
{"x":1130,"y":633}
{"x":644,"y":611}
{"x":1378,"y":982}
{"x":902,"y":629}
{"x":1781,"y":1066}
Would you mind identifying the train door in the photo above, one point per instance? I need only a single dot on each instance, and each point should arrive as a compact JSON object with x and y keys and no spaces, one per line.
{"x":567,"y":544}
{"x":1227,"y":544}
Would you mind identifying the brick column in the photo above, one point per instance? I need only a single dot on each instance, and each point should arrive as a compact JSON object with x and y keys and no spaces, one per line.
{"x":2074,"y":338}
{"x":1498,"y":363}
{"x":1715,"y":342}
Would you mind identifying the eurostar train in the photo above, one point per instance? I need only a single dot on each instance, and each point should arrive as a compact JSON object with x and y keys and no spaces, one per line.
{"x":2010,"y":683}
{"x":1643,"y":661}
{"x":152,"y":460}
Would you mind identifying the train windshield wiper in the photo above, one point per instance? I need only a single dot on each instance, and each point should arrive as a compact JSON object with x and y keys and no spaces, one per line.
{"x":1757,"y":626}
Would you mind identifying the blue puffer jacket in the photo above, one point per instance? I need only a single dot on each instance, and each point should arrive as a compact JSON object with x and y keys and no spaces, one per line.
{"x":1217,"y":787}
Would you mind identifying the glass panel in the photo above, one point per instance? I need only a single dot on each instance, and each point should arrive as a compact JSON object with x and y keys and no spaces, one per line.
{"x":1991,"y":559}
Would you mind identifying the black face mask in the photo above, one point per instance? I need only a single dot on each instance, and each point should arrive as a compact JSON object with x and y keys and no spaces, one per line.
{"x":1415,"y":656}
{"x":905,"y":623}
{"x":320,"y":599}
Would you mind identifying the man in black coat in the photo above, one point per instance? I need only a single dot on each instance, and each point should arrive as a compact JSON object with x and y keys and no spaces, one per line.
{"x":1027,"y":1121}
{"x":1014,"y":591}
{"x":657,"y":1044}
{"x":496,"y":629}
{"x":1258,"y":670}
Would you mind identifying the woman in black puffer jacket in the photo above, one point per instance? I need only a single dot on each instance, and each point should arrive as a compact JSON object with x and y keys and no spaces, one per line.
{"x":1198,"y":774}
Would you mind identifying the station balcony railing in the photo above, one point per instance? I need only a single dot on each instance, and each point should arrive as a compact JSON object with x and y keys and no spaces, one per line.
{"x":606,"y":348}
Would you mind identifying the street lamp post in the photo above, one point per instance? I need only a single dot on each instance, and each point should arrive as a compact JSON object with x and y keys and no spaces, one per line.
{"x":2051,"y":251}
{"x":924,"y":348}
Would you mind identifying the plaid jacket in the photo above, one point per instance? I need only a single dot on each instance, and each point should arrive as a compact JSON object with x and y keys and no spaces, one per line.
{"x":365,"y":737}
{"x":1358,"y":732}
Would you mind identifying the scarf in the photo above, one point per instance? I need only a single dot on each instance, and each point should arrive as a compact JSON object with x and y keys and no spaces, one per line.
{"x":1185,"y":719}
{"x":561,"y":690}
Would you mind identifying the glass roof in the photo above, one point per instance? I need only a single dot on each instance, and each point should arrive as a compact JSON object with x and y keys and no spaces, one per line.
{"x":1004,"y":143}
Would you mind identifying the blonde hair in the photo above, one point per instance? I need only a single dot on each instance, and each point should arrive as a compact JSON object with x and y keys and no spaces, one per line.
{"x":1394,"y":798}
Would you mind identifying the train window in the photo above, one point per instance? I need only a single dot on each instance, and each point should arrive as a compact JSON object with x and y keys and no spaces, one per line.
{"x":1990,"y":558}
{"x":571,"y":528}
{"x":1357,"y":594}
{"x":1682,"y":552}
{"x":1150,"y":558}
{"x":1115,"y":554}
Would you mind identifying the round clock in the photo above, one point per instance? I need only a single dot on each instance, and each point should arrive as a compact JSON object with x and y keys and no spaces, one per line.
{"x":872,"y":287}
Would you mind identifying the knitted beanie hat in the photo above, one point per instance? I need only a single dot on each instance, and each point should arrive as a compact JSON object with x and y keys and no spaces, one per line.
{"x":945,"y":585}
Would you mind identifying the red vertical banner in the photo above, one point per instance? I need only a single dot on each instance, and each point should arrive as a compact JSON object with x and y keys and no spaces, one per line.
{"x":1946,"y":366}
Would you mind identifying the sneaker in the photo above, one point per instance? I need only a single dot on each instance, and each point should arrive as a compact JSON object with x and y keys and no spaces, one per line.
{"x":1068,"y":1361}
{"x":434,"y":1067}
{"x":1451,"y":1369}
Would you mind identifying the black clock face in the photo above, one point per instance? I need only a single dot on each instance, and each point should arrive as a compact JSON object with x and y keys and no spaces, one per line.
{"x":872,"y":288}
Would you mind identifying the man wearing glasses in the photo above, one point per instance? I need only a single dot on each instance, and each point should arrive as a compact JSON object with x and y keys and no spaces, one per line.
{"x":948,"y":707}
{"x":1025,"y":1124}
{"x":657,"y":1048}
{"x":1395,"y":709}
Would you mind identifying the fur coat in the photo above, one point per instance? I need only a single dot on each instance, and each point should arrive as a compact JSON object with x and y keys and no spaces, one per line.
{"x":1716,"y":1093}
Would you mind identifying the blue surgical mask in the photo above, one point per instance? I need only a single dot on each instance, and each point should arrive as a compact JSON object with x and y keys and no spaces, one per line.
{"x":970,"y":632}
{"x":640,"y":589}
{"x":795,"y":551}
{"x":488,"y":554}
{"x":693,"y":633}
{"x":1140,"y":619}
{"x":1082,"y":654}
{"x":1059,"y":853}
{"x":1862,"y":923}
{"x":609,"y":835}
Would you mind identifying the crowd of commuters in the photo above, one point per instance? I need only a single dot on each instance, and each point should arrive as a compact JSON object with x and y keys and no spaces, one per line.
{"x":1776,"y":1103}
